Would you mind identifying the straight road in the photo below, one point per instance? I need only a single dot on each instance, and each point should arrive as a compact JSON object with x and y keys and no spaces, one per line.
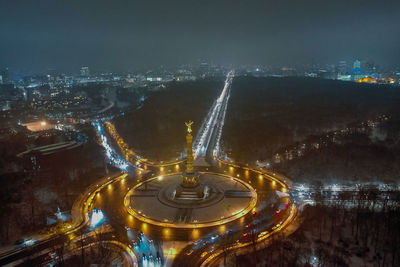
{"x":206,"y":144}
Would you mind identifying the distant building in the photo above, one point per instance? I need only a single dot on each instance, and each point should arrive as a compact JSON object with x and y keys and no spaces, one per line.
{"x":357,"y":65}
{"x":154,"y":79}
{"x":387,"y":80}
{"x":344,"y":77}
{"x":367,"y":80}
{"x":311,"y":74}
{"x":1,"y":79}
{"x":371,"y":68}
{"x":85,"y":71}
{"x":342,"y":67}
{"x":4,"y":76}
{"x":204,"y":68}
{"x":180,"y":78}
{"x":38,"y":126}
{"x":5,"y":105}
{"x":357,"y":72}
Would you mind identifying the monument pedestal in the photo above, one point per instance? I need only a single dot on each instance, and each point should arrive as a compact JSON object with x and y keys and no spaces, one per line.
{"x":190,"y":188}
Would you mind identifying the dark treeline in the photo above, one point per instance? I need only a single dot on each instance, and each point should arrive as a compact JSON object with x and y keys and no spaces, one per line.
{"x":371,"y":154}
{"x":157,"y":129}
{"x":361,"y":229}
{"x":265,"y":114}
{"x":29,"y":196}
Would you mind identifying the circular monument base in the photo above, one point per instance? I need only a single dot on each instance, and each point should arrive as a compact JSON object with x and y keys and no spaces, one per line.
{"x":224,"y":199}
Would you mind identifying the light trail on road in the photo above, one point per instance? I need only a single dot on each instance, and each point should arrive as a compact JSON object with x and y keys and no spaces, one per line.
{"x":109,"y":151}
{"x":215,"y":119}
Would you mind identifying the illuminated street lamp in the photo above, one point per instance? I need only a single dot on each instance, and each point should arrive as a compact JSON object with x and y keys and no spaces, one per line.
{"x":166,"y":233}
{"x":195,"y":234}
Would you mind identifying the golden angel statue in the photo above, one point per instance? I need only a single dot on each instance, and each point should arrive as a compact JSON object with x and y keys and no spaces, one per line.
{"x":189,"y":126}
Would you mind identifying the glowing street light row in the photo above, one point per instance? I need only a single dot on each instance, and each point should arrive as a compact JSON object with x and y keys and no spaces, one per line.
{"x":260,"y":177}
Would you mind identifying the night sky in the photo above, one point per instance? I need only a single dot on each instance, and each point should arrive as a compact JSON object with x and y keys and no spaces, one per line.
{"x":126,"y":35}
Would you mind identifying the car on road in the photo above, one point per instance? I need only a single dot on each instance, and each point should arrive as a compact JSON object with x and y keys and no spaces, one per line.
{"x":214,"y":237}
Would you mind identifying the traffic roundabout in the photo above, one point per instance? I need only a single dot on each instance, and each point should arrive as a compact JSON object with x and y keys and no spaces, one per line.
{"x":225,"y":199}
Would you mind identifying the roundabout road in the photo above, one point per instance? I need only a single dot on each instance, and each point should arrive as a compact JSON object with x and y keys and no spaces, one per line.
{"x":272,"y":213}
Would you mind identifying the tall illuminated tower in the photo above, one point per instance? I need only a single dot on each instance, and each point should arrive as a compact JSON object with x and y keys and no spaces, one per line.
{"x":189,"y":139}
{"x":190,"y":187}
{"x":190,"y":178}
